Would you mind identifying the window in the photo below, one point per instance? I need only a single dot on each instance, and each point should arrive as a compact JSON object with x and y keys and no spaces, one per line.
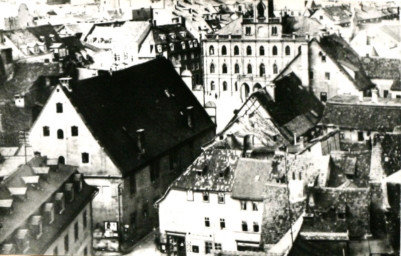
{"x":311,"y":74}
{"x":223,"y":50}
{"x":222,"y":223}
{"x":255,"y":227}
{"x":247,"y":31}
{"x":287,"y":50}
{"x":360,"y":136}
{"x":76,"y":231}
{"x":207,"y":222}
{"x":248,"y":50}
{"x":244,"y":226}
{"x":236,"y":68}
{"x":154,"y":170}
{"x":208,"y":247}
{"x":74,"y":131}
{"x":46,"y":131}
{"x":205,"y":196}
{"x":195,"y":248}
{"x":171,"y":47}
{"x":261,"y":51}
{"x":212,"y":68}
{"x":183,"y":45}
{"x":85,"y":219}
{"x":224,"y":86}
{"x":60,"y":134}
{"x":190,"y":195}
{"x":274,"y":50}
{"x":274,"y":30}
{"x":321,"y":17}
{"x":261,"y":69}
{"x":249,"y":69}
{"x":236,"y":50}
{"x":85,"y":158}
{"x":243,"y":205}
{"x":275,"y":68}
{"x":66,"y":244}
{"x":55,"y":251}
{"x":398,"y":96}
{"x":217,"y":246}
{"x":221,"y":198}
{"x":211,"y":50}
{"x":323,"y":58}
{"x":341,"y":215}
{"x":254,"y":206}
{"x":327,"y":75}
{"x":368,"y":40}
{"x":132,"y":183}
{"x":86,"y":251}
{"x":385,"y":93}
{"x":323,"y":96}
{"x":212,"y":86}
{"x":224,"y":69}
{"x":59,"y":107}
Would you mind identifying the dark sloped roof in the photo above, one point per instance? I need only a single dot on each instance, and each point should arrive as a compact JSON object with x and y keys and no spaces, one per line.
{"x":205,"y":172}
{"x":366,"y":117}
{"x":171,"y":28}
{"x":115,"y":106}
{"x":382,"y":68}
{"x":343,"y":54}
{"x":250,"y":178}
{"x":340,"y":13}
{"x":46,"y":31}
{"x":396,"y":86}
{"x":391,"y":152}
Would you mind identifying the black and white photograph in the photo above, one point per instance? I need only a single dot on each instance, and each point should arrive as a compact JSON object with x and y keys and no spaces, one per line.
{"x":200,"y":127}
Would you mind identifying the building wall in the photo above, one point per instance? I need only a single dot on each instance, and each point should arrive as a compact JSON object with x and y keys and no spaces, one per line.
{"x":175,"y":206}
{"x":338,"y":83}
{"x":138,"y":209}
{"x":76,"y":246}
{"x":383,"y":85}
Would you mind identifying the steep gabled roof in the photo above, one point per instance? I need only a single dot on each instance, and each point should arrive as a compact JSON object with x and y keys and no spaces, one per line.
{"x":343,"y":54}
{"x":115,"y":106}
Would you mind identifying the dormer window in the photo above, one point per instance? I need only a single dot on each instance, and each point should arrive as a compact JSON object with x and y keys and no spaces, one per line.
{"x":49,"y":213}
{"x":195,"y":43}
{"x":162,"y":37}
{"x":159,"y":48}
{"x":59,"y":107}
{"x":183,"y":45}
{"x":22,"y":241}
{"x":60,"y":203}
{"x":183,"y":33}
{"x":69,"y":192}
{"x":36,"y":226}
{"x":190,"y":44}
{"x":171,"y":47}
{"x":172,"y":35}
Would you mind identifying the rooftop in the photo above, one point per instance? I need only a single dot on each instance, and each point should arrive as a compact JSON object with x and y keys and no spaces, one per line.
{"x":382,"y":68}
{"x":111,"y":112}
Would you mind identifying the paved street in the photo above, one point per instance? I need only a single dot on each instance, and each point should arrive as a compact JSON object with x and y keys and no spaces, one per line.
{"x":146,"y":247}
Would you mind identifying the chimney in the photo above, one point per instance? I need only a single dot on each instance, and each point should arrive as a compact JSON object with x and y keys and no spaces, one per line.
{"x":375,"y":95}
{"x":69,"y":192}
{"x":66,"y":83}
{"x":190,"y":116}
{"x":60,"y":203}
{"x":245,"y":147}
{"x":78,"y":182}
{"x":36,"y":226}
{"x":141,"y":140}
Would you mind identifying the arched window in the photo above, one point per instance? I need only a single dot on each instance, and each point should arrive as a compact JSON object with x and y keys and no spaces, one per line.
{"x":60,"y":134}
{"x":224,"y":68}
{"x":287,"y":50}
{"x":212,"y":86}
{"x":261,"y":69}
{"x":211,"y":50}
{"x":248,"y":50}
{"x":275,"y":68}
{"x":236,"y":68}
{"x":223,"y":50}
{"x":224,"y":86}
{"x":274,"y":50}
{"x":212,"y":68}
{"x":249,"y":69}
{"x":236,"y":50}
{"x":261,"y":51}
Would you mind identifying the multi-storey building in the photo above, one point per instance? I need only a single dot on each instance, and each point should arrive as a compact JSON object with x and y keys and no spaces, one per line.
{"x":46,"y":210}
{"x":247,"y":54}
{"x":131,"y":133}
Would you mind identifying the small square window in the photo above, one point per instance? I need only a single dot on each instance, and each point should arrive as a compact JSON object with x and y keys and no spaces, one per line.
{"x":222,"y":223}
{"x":85,"y":158}
{"x":195,"y":249}
{"x":323,"y":96}
{"x":59,"y":107}
{"x":255,"y":227}
{"x":244,"y":226}
{"x":208,"y":247}
{"x":46,"y":131}
{"x":207,"y":222}
{"x":323,"y":58}
{"x":243,"y":205}
{"x":217,"y":246}
{"x":254,"y":206}
{"x":327,"y":75}
{"x":74,"y":131}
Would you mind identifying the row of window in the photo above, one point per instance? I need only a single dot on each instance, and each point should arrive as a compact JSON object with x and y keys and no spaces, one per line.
{"x":248,"y":31}
{"x":182,"y":44}
{"x":262,"y":69}
{"x":244,"y":225}
{"x":208,"y":247}
{"x":60,"y":132}
{"x":188,"y":56}
{"x":287,"y":50}
{"x":225,"y":86}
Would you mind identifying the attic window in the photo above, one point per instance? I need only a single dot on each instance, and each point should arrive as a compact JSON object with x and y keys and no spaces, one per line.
{"x":195,"y":43}
{"x":49,"y":213}
{"x":254,"y":206}
{"x":323,"y":58}
{"x":183,"y":45}
{"x":31,"y":180}
{"x":221,"y":198}
{"x":172,"y":35}
{"x":162,"y":37}
{"x":74,"y":131}
{"x":59,"y":107}
{"x":183,"y":33}
{"x":205,"y":196}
